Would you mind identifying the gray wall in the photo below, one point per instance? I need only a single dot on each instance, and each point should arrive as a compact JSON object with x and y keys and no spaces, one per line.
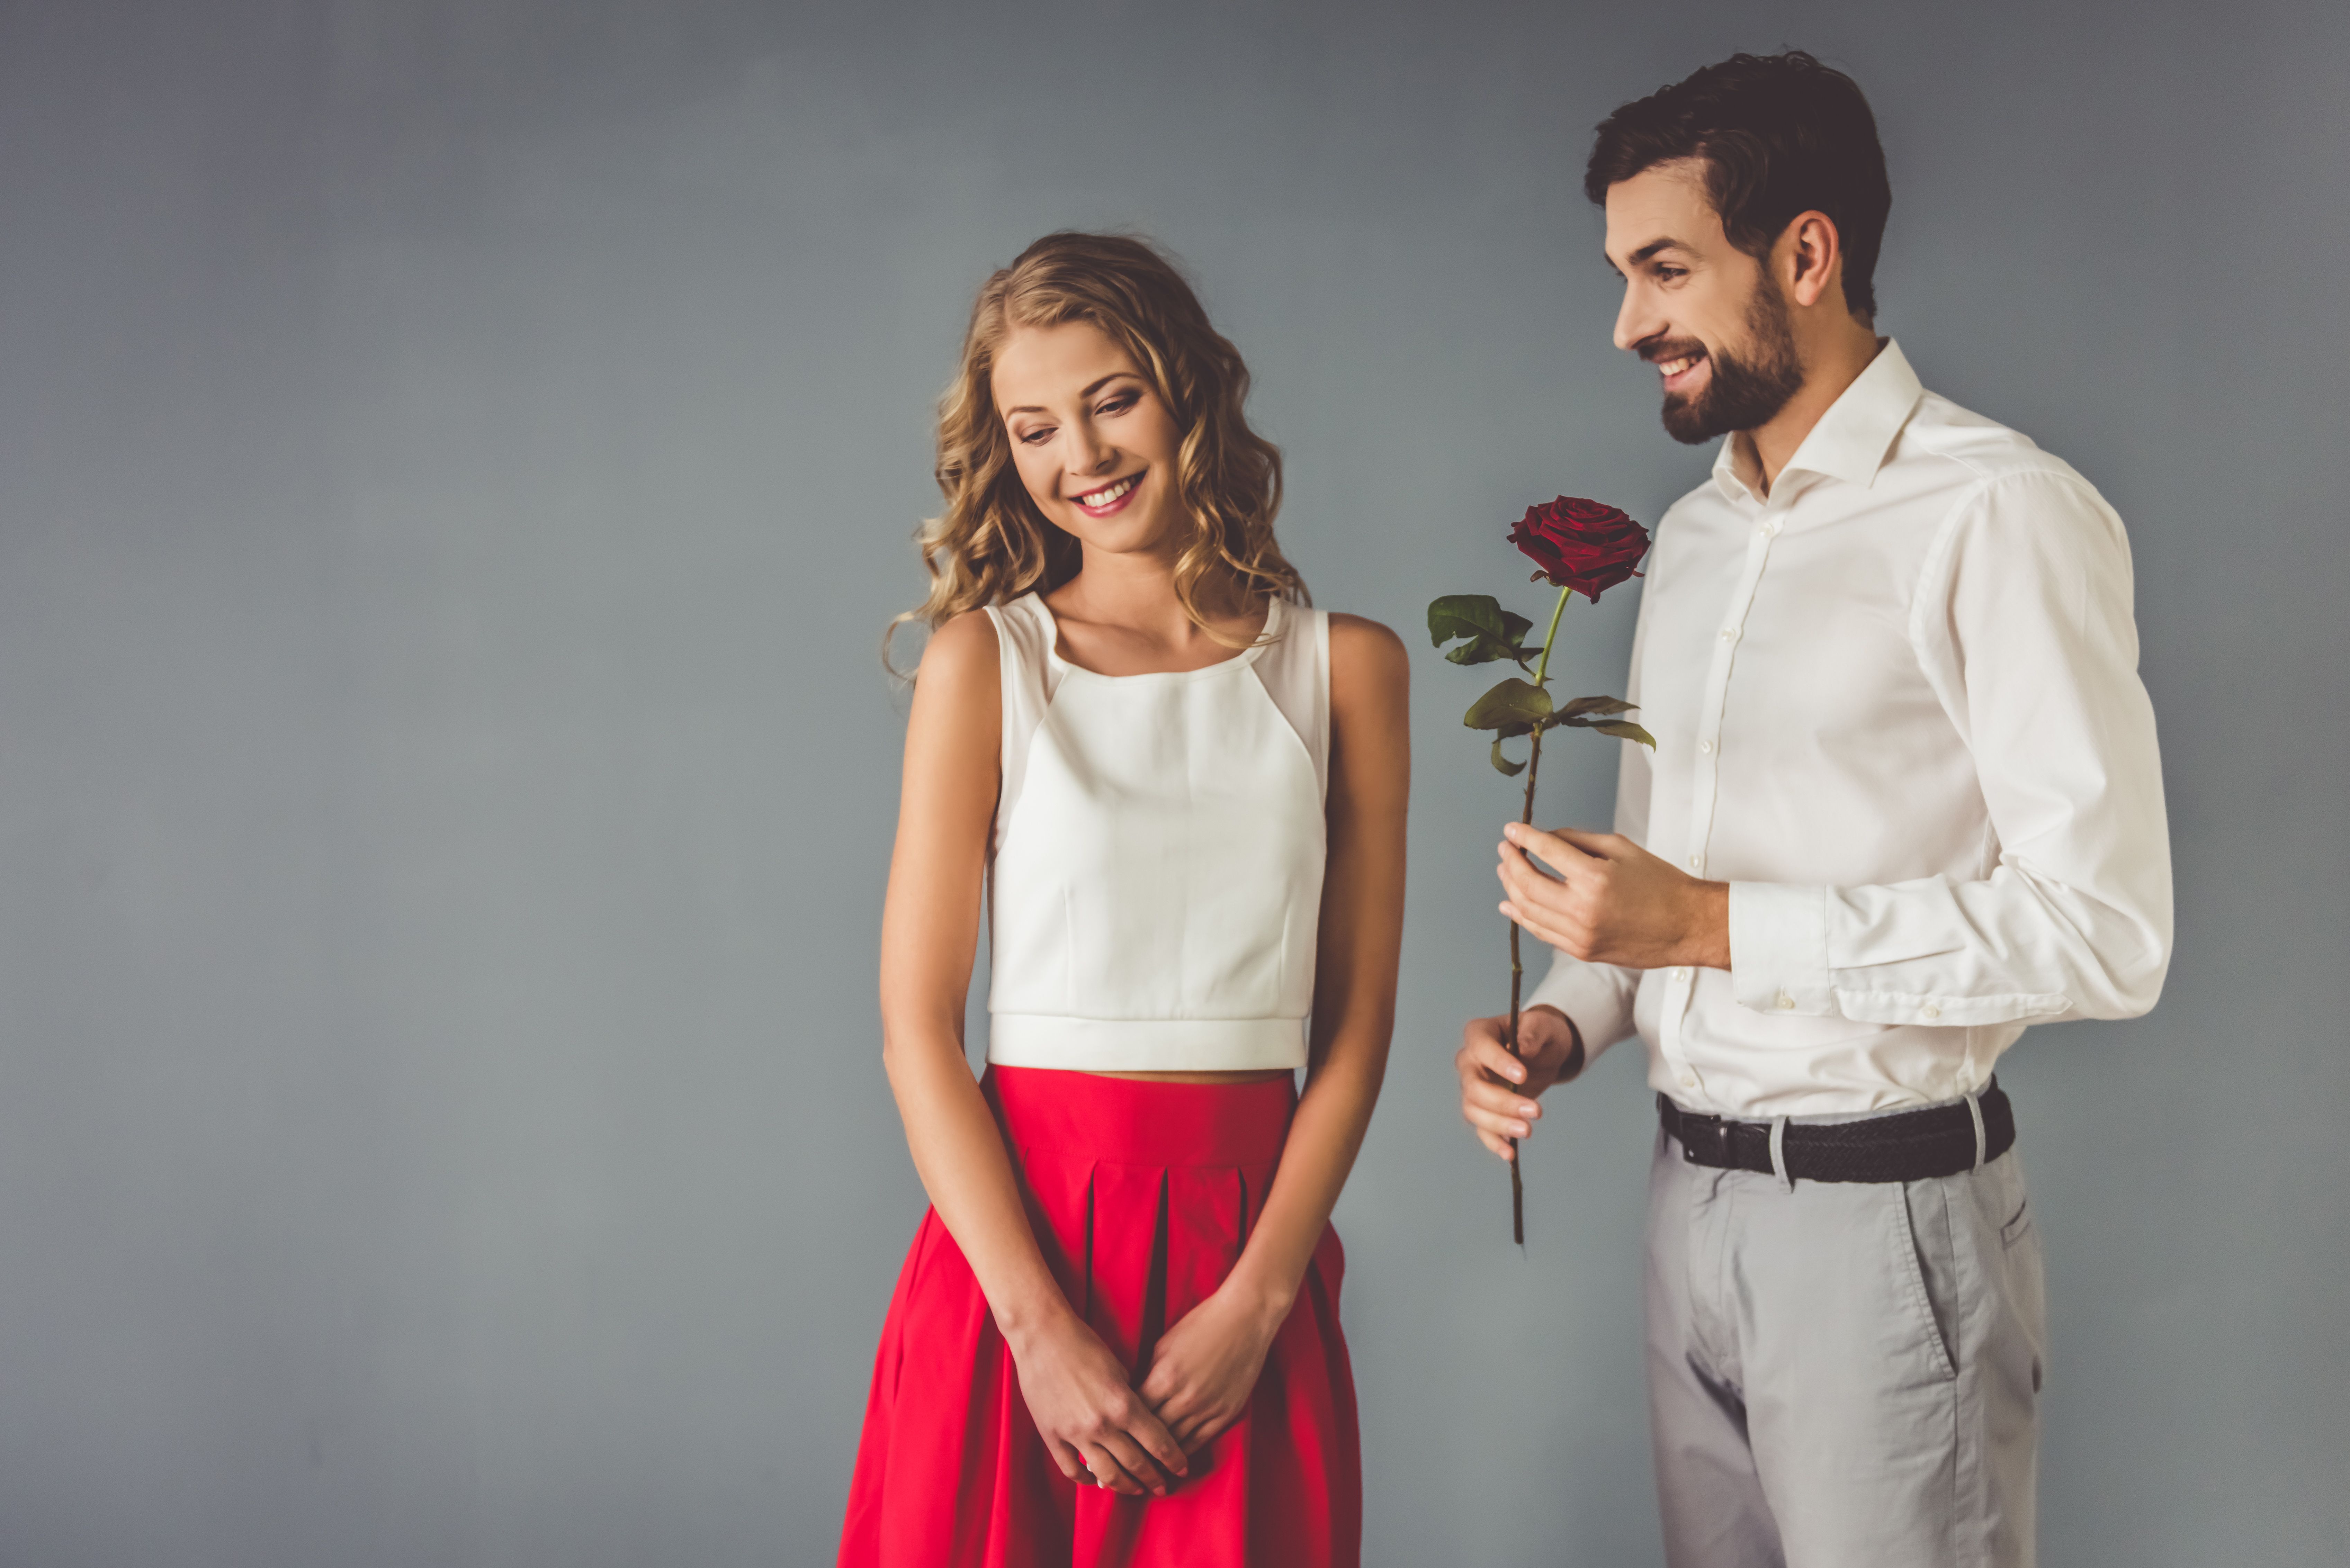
{"x":455,"y":459}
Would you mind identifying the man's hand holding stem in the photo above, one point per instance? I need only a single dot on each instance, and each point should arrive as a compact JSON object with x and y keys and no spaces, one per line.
{"x":1613,"y":903}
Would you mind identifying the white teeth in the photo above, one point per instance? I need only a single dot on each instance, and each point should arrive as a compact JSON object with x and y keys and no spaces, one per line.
{"x":1103,"y":497}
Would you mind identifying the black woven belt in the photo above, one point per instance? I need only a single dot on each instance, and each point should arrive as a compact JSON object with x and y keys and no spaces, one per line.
{"x":1907,"y":1146}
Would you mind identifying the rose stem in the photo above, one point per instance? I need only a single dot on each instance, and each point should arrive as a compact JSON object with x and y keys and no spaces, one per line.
{"x":1517,"y":967}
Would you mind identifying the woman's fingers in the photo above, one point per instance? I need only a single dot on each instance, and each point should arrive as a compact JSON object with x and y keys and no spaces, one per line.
{"x":1193,"y":1425}
{"x":1106,"y":1471}
{"x":1161,"y":1388}
{"x":1137,"y":1463}
{"x":1150,"y":1433}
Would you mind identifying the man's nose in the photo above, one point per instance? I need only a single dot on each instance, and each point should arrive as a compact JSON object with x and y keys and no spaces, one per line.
{"x":1637,"y":319}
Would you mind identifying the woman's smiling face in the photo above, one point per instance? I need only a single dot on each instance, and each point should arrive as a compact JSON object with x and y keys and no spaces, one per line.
{"x":1094,"y":445}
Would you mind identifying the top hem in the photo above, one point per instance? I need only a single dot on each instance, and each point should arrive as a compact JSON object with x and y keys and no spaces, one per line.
{"x":1145,"y":1044}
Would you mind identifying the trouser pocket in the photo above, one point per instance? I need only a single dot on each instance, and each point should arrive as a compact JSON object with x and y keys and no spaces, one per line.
{"x":1924,"y":1263}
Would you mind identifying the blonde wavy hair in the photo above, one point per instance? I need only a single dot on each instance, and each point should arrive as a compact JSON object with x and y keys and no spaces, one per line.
{"x":992,"y":544}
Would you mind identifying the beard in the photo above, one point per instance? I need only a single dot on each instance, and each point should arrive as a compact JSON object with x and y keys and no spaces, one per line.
{"x":1746,"y":387}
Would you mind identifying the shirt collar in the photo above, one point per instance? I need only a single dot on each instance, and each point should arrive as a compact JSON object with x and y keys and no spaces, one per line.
{"x":1851,"y":439}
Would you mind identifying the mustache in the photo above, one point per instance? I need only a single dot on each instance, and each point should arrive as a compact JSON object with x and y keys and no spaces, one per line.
{"x":1657,"y":349}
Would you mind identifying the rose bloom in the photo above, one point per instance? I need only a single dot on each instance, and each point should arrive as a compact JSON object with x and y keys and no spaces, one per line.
{"x":1580,"y":544}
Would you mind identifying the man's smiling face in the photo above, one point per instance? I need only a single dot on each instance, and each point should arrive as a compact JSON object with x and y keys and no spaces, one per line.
{"x":1707,"y":316}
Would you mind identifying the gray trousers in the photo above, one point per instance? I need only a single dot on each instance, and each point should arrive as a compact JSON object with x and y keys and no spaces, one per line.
{"x":1843,"y":1374}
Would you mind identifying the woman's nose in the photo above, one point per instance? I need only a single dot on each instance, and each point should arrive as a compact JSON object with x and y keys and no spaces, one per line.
{"x":1088,"y":454}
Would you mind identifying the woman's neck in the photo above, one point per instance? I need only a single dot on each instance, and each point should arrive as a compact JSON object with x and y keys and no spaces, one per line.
{"x":1121,"y":614}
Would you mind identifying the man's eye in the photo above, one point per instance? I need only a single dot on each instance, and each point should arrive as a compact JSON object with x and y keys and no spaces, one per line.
{"x":1667,"y":274}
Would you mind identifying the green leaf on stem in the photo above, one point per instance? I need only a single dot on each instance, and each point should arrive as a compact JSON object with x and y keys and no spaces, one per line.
{"x":1507,"y":768}
{"x":1626,"y":731}
{"x":1603,"y":706}
{"x":1513,"y":701}
{"x":1492,"y":632}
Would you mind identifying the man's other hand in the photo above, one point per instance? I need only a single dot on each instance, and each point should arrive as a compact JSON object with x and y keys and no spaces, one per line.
{"x":1497,"y":1089}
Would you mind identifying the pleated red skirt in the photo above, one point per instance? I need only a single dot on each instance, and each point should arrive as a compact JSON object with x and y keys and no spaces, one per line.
{"x":1141,"y":1194}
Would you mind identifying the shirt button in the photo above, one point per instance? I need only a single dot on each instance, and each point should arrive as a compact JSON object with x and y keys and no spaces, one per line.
{"x":1688,"y":1080}
{"x":1786,"y":1002}
{"x":1729,"y":632}
{"x":1930,"y":1010}
{"x":1705,"y":747}
{"x":1697,"y":862}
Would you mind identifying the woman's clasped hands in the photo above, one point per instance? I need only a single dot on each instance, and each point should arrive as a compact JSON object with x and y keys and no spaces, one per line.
{"x":1099,"y":1427}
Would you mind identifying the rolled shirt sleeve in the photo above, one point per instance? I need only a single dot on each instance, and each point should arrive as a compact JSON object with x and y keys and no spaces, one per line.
{"x":2023,"y":625}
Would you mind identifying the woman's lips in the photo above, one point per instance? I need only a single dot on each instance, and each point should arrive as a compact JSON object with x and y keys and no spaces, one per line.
{"x":1111,"y":497}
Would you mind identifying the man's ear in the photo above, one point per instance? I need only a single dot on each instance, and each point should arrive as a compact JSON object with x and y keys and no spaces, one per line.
{"x":1811,"y":259}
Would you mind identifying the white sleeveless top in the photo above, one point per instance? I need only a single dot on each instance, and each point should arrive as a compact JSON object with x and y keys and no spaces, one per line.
{"x":1155,"y":873}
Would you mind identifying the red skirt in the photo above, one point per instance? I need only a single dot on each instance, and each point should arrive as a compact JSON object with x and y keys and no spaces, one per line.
{"x":1141,"y":1194}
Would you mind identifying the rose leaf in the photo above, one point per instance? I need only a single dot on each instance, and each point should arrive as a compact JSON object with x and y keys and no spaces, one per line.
{"x":1623,"y":731}
{"x":1490,"y":632}
{"x":1513,"y":701}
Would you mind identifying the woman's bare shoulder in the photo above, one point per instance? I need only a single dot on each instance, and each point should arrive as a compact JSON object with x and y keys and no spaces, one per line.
{"x":961,"y":653}
{"x":1365,"y":657}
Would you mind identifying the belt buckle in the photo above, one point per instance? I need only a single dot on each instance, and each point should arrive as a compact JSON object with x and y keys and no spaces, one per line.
{"x":1705,"y":1140}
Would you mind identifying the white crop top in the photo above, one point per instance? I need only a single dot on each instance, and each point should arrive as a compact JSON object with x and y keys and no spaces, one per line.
{"x":1155,"y":873}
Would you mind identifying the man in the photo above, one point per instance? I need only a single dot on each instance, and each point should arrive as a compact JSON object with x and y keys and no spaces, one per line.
{"x":1905,"y":801}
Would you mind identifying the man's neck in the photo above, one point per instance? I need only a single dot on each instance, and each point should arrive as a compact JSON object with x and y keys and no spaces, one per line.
{"x":1830,"y":364}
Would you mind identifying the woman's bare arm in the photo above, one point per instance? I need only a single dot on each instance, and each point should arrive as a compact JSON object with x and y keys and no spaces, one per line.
{"x":1076,"y":1388}
{"x":1208,"y":1362}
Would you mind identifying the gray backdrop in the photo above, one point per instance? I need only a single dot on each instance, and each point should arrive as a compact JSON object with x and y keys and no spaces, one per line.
{"x":456,"y":461}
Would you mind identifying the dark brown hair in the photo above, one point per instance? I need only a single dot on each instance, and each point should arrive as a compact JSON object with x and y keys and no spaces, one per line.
{"x":1779,"y":135}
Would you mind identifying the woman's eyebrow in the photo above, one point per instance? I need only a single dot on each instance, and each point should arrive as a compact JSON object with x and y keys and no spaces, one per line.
{"x":1090,"y":389}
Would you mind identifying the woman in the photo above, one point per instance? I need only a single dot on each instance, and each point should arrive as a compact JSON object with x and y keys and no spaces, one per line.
{"x":1116,"y":1338}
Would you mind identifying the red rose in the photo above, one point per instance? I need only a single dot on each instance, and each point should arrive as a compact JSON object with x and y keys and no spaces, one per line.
{"x":1581,"y":544}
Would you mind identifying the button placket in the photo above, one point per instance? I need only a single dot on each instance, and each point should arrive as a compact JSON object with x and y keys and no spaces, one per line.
{"x":1706,"y":765}
{"x":1681,"y":999}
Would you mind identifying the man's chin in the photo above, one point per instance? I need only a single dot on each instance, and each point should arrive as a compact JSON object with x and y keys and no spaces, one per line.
{"x":1688,"y":421}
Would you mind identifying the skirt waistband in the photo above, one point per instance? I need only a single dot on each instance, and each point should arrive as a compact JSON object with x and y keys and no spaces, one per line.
{"x":1129,"y":1121}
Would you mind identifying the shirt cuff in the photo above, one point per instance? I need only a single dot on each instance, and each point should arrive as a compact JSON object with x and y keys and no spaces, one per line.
{"x":1595,"y":996}
{"x":1778,"y":948}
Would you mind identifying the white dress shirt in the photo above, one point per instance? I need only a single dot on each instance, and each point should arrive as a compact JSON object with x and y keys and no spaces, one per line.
{"x":1896,"y":708}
